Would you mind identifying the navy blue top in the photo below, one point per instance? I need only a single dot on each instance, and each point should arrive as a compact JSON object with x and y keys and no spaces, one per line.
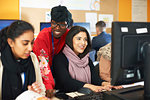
{"x":100,"y":40}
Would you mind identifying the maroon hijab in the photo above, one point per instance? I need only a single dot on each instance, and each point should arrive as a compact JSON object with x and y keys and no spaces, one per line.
{"x":78,"y":68}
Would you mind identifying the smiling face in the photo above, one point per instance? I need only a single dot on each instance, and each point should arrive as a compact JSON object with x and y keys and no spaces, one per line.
{"x":22,"y":45}
{"x":79,"y":43}
{"x":58,"y":28}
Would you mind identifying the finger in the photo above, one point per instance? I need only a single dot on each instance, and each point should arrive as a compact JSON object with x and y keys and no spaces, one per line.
{"x":107,"y":88}
{"x":119,"y":87}
{"x":97,"y":90}
{"x":29,"y":87}
{"x":38,"y":90}
{"x":36,"y":87}
{"x":100,"y":90}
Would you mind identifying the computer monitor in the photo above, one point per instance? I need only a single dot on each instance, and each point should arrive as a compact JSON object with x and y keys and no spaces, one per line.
{"x":83,"y":24}
{"x":44,"y":25}
{"x":4,"y":23}
{"x":130,"y":43}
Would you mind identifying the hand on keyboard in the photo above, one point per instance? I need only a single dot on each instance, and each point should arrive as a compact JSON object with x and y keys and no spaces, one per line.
{"x":117,"y":87}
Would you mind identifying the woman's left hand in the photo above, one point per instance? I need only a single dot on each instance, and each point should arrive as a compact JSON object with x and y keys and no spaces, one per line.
{"x":107,"y":84}
{"x":117,"y":87}
{"x":36,"y":87}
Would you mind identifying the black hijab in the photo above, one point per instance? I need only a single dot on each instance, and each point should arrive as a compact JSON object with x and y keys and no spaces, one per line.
{"x":12,"y":84}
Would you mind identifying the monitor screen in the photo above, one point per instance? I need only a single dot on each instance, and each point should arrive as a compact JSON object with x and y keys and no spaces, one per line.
{"x":83,"y":24}
{"x":44,"y":25}
{"x":127,"y":61}
{"x":5,"y":23}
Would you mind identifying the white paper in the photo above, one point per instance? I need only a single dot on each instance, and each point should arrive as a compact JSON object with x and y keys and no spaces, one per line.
{"x":70,"y":4}
{"x":94,"y":5}
{"x":80,"y":4}
{"x":139,"y":10}
{"x":134,"y":84}
{"x":74,"y":94}
{"x":92,"y":19}
{"x":39,"y":3}
{"x":47,"y":16}
{"x":30,"y":95}
{"x":107,"y":18}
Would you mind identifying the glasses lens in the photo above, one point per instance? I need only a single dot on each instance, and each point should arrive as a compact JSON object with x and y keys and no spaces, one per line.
{"x":60,"y":25}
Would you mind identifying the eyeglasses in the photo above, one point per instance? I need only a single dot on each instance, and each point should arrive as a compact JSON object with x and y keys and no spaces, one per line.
{"x":60,"y":25}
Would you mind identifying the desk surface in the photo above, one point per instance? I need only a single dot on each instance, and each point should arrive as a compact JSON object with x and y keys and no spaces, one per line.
{"x":132,"y":93}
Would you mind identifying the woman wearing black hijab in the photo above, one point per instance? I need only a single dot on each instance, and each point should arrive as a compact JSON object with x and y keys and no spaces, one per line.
{"x":19,"y":70}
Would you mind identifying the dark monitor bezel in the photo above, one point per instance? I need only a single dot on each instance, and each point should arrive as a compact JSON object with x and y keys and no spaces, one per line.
{"x":117,"y":49}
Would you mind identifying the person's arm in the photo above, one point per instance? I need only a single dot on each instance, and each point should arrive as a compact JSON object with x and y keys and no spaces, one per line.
{"x":104,"y":68}
{"x":95,"y":88}
{"x":61,"y":73}
{"x":94,"y":46}
{"x":97,"y":43}
{"x":95,"y":79}
{"x":37,"y":73}
{"x":41,"y":50}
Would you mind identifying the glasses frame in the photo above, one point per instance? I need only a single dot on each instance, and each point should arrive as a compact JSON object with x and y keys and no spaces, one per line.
{"x":53,"y":24}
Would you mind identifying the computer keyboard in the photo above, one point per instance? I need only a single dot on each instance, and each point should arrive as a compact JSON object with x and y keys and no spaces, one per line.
{"x":92,"y":96}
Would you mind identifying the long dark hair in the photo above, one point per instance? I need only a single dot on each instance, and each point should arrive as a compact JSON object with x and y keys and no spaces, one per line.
{"x":13,"y":31}
{"x":72,"y":32}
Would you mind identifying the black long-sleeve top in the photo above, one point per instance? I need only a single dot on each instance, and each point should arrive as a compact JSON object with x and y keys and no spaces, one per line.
{"x":64,"y":82}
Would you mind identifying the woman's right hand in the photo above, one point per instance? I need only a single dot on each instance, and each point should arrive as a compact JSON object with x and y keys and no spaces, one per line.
{"x":50,"y":93}
{"x":36,"y":87}
{"x":94,"y":87}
